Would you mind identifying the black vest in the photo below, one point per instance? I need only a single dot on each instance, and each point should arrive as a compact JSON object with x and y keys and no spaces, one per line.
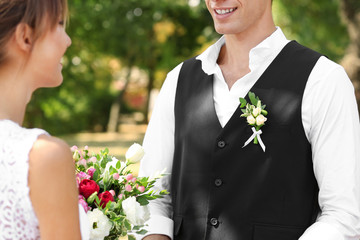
{"x":221,"y":190}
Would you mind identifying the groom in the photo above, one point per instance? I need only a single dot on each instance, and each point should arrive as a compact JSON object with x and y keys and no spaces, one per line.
{"x":303,"y":185}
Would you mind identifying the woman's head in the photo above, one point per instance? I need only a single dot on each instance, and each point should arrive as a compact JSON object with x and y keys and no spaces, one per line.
{"x":39,"y":15}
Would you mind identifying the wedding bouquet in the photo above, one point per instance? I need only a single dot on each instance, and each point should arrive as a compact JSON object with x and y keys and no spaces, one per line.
{"x":114,"y":199}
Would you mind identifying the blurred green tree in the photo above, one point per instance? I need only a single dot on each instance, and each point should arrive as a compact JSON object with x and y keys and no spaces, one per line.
{"x":350,"y":11}
{"x":155,"y":36}
{"x":331,"y":27}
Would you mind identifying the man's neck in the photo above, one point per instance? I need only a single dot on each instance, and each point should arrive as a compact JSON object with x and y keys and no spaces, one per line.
{"x":234,"y":55}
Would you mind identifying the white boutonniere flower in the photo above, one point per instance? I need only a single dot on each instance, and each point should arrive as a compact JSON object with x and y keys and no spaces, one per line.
{"x":255,"y":116}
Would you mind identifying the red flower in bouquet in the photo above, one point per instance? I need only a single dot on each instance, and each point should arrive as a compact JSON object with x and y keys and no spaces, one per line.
{"x":88,"y":187}
{"x":105,"y":197}
{"x":105,"y":184}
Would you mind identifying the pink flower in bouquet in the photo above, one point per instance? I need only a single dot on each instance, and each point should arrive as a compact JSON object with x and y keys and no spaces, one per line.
{"x":141,"y":188}
{"x":112,"y":192}
{"x":91,"y":171}
{"x":129,"y":177}
{"x":92,"y":159}
{"x":133,"y":180}
{"x":105,"y":197}
{"x":120,"y":196}
{"x":116,"y":176}
{"x":88,"y":187}
{"x":83,"y":203}
{"x":80,"y":176}
{"x":128,"y":188}
{"x":74,"y":148}
{"x":82,"y":161}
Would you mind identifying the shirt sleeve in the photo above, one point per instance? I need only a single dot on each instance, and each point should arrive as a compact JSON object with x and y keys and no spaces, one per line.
{"x":84,"y":224}
{"x":331,"y":122}
{"x":159,"y":150}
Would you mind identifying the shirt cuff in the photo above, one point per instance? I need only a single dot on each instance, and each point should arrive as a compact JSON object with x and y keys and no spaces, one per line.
{"x":158,"y":225}
{"x":321,"y":230}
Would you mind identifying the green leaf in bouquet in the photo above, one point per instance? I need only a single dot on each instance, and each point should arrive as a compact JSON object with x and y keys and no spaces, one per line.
{"x":164,"y":192}
{"x":82,"y":168}
{"x":112,"y":170}
{"x":117,"y":206}
{"x":111,"y":214}
{"x":142,"y":200}
{"x":103,"y":163}
{"x":118,"y":165}
{"x":143,"y":181}
{"x":100,"y":182}
{"x":108,"y":206}
{"x":142,"y":232}
{"x":97,"y":201}
{"x":136,"y":228}
{"x":104,"y":152}
{"x":131,"y":237}
{"x":127,"y":224}
{"x":152,"y":197}
{"x":96,"y":175}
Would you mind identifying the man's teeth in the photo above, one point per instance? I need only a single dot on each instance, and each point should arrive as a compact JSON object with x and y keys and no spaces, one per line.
{"x":224,"y":11}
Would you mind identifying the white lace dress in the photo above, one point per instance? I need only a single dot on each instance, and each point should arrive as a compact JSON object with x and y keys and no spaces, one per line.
{"x":17,"y":216}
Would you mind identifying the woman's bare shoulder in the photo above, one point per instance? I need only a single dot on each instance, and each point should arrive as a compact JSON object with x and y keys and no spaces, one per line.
{"x":50,"y":152}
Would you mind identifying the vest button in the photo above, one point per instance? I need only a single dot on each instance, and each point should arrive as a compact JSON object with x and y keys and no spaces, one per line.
{"x":214,"y":221}
{"x":221,"y":144}
{"x":218,"y":182}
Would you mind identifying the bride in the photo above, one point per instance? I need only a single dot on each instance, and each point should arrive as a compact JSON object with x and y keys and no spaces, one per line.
{"x":38,"y":193}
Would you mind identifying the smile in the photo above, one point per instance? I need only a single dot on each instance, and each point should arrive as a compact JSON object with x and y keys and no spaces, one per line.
{"x":224,"y":11}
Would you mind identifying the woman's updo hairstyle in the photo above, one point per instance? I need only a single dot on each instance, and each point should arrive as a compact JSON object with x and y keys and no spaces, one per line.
{"x":40,"y":15}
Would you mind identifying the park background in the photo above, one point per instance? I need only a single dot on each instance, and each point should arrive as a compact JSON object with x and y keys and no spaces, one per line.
{"x":122,"y":50}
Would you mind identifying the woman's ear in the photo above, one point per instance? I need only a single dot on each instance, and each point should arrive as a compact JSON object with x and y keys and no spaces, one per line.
{"x":24,"y":37}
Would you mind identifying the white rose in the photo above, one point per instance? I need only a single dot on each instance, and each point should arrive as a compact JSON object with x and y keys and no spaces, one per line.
{"x":256,"y":111}
{"x":260,"y":120}
{"x":99,"y":224}
{"x":135,"y":213}
{"x":250,"y":119}
{"x":135,"y":153}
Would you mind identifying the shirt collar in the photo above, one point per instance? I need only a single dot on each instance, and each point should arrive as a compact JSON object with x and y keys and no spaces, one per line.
{"x":271,"y":45}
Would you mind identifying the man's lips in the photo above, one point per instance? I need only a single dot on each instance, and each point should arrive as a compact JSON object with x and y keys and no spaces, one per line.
{"x":224,"y":11}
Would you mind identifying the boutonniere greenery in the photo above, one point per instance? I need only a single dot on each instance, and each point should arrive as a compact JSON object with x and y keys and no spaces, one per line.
{"x":255,"y":116}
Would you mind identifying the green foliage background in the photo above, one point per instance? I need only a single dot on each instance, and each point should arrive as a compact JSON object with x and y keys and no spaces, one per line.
{"x":153,"y":35}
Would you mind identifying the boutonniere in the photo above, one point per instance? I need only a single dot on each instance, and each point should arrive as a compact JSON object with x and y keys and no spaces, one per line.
{"x":255,"y":115}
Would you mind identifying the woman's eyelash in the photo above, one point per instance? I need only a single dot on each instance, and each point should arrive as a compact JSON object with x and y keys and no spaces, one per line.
{"x":61,"y":22}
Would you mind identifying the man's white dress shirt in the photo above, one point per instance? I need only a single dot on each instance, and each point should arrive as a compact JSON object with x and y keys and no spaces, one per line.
{"x":330,"y":119}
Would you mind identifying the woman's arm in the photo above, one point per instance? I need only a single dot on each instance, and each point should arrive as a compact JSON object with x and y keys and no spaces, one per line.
{"x":53,"y":190}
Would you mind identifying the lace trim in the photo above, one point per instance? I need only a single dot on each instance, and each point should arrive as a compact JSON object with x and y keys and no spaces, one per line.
{"x":17,"y":216}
